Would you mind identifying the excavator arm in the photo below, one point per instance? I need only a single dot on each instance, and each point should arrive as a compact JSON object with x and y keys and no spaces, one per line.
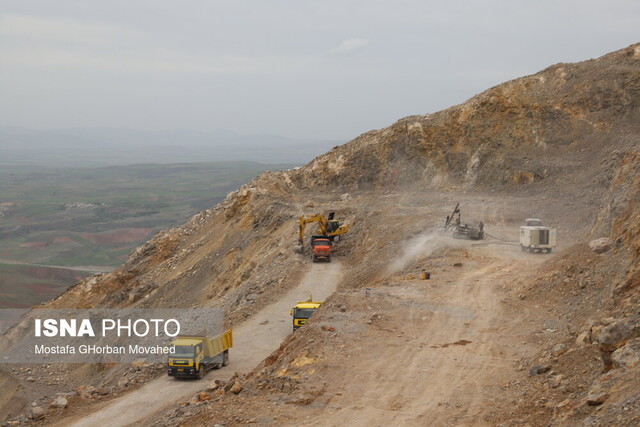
{"x":306,"y":219}
{"x":326,"y":227}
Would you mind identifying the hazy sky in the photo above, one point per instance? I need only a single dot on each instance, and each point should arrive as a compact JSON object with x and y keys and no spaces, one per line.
{"x":314,"y":69}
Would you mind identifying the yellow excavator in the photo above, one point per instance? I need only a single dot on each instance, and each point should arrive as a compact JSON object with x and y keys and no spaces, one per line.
{"x":328,"y":230}
{"x":328,"y":227}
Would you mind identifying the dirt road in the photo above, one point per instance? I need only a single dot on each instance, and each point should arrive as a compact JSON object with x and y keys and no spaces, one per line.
{"x":443,"y":349}
{"x":254,"y":340}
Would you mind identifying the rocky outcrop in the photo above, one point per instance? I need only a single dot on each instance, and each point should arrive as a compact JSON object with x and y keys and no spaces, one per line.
{"x":509,"y":134}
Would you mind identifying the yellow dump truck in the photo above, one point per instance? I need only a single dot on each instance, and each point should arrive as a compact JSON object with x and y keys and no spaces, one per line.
{"x":193,"y":355}
{"x":302,"y":311}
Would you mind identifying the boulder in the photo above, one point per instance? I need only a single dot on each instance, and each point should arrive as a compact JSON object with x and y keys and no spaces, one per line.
{"x":601,"y":245}
{"x":601,"y":388}
{"x":628,"y":355}
{"x":616,"y":333}
{"x":37,"y":413}
{"x":203,"y":396}
{"x":216,"y":384}
{"x":597,"y":396}
{"x":539,"y":369}
{"x":559,"y":350}
{"x":555,"y":381}
{"x":236,"y":388}
{"x":85,"y":391}
{"x":59,"y":402}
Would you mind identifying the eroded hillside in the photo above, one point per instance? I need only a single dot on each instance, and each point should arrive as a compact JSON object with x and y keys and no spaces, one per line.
{"x":562,"y":144}
{"x":556,"y":128}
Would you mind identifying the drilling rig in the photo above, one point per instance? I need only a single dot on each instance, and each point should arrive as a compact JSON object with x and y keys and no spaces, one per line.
{"x":463,"y":230}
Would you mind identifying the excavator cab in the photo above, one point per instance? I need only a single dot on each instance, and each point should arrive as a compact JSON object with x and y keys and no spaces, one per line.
{"x":333,"y":225}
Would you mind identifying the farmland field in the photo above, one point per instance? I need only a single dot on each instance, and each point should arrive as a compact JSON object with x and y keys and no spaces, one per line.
{"x":90,"y":219}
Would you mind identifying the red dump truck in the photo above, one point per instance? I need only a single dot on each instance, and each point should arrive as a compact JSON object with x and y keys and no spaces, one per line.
{"x":320,"y":248}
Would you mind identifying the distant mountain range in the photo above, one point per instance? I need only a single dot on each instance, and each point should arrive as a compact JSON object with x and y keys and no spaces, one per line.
{"x":108,"y":147}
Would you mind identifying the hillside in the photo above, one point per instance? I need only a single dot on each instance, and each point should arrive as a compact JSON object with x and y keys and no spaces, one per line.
{"x":496,"y":335}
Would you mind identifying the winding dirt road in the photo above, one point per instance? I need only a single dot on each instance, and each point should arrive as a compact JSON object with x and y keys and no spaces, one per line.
{"x":254,"y":340}
{"x":454,"y":348}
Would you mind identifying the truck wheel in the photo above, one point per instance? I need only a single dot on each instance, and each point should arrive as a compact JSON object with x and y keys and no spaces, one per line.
{"x":548,"y":250}
{"x":225,"y":358}
{"x":328,"y":259}
{"x":314,"y":258}
{"x":201,"y":372}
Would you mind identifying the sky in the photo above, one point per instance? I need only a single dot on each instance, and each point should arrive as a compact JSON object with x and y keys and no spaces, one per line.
{"x":297,"y":68}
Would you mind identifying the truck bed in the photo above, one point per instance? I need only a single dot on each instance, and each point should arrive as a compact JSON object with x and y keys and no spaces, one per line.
{"x":216,"y":345}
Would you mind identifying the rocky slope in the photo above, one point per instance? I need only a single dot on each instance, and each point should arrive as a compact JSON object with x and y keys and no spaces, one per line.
{"x":571,"y":127}
{"x":562,"y":144}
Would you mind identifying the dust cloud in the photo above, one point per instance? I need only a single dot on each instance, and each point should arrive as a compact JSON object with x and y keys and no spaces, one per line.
{"x":419,"y":246}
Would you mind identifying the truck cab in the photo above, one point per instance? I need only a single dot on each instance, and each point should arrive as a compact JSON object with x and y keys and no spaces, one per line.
{"x":186,"y":358}
{"x":302,"y":312}
{"x":320,"y":248}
